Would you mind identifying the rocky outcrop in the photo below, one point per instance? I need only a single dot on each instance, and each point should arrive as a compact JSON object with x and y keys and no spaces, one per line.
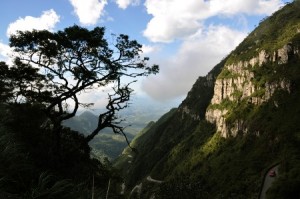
{"x":217,"y":116}
{"x":239,"y":83}
{"x":284,"y":53}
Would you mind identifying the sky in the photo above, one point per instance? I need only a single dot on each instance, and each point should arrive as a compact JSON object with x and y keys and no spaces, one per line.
{"x":186,"y":38}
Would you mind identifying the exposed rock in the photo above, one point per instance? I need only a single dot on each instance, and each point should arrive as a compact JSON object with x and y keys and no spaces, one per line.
{"x":239,"y":85}
{"x":236,"y":127}
{"x":217,"y":116}
{"x":263,"y":57}
{"x":284,"y":53}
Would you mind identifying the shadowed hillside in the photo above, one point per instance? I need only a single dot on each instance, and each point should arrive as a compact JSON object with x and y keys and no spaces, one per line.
{"x":236,"y":122}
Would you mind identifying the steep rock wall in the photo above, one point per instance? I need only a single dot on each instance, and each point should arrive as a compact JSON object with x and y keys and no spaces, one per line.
{"x":239,"y":82}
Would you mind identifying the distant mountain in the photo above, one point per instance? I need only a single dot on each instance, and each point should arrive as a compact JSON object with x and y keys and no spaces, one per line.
{"x":107,"y":144}
{"x":238,"y":121}
{"x":85,"y":123}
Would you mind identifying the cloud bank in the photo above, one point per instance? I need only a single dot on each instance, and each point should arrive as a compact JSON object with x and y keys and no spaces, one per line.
{"x":177,"y":19}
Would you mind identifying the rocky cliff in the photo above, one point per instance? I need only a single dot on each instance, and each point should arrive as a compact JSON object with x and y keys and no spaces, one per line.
{"x":239,"y":82}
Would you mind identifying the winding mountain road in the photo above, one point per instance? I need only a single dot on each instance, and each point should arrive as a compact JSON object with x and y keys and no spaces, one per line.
{"x":268,"y":180}
{"x":153,"y":180}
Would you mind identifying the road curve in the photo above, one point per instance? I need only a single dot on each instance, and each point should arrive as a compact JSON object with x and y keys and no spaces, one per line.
{"x":268,"y":180}
{"x":153,"y":180}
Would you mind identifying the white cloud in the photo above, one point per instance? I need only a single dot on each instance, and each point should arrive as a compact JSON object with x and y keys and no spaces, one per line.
{"x":125,"y":3}
{"x":268,"y":7}
{"x":174,"y":19}
{"x":5,"y":53}
{"x":98,"y":97}
{"x":46,"y":21}
{"x":196,"y":56}
{"x":147,"y":49}
{"x":88,"y":11}
{"x":250,"y":7}
{"x":4,"y":50}
{"x":179,"y":19}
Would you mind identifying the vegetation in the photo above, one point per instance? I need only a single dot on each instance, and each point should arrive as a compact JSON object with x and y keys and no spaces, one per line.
{"x":205,"y":165}
{"x":39,"y":157}
{"x":271,"y":34}
{"x":30,"y":168}
{"x":73,"y":61}
{"x":154,"y":144}
{"x":227,"y":74}
{"x":104,"y":145}
{"x":194,"y":161}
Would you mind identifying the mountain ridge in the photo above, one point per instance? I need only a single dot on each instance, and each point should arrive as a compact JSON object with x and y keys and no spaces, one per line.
{"x":232,"y":125}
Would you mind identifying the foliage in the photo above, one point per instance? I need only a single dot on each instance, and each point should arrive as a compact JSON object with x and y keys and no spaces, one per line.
{"x":290,"y":170}
{"x":39,"y":157}
{"x":5,"y":86}
{"x":75,"y":60}
{"x":154,"y":144}
{"x":226,"y":103}
{"x":29,"y":168}
{"x":143,"y":144}
{"x":227,"y":74}
{"x":181,"y":187}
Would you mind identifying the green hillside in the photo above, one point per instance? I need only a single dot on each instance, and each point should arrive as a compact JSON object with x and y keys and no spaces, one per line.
{"x":106,"y":144}
{"x":256,"y":124}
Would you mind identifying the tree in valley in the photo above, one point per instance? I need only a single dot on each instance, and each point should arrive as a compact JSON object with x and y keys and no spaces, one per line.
{"x":53,"y":69}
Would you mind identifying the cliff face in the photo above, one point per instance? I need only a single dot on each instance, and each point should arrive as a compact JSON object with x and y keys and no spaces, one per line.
{"x":238,"y":82}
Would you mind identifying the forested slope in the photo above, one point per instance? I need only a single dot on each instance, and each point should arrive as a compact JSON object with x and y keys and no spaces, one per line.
{"x":234,"y":124}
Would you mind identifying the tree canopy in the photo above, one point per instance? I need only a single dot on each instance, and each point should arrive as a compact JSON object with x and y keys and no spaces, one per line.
{"x":54,"y":68}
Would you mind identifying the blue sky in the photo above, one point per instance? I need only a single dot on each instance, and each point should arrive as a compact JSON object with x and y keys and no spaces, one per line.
{"x":186,"y":38}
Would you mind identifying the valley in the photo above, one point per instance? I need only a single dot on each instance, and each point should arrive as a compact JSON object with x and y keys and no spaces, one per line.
{"x":109,"y":145}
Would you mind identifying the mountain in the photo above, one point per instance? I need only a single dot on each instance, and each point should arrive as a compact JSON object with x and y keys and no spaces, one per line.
{"x":238,"y":121}
{"x":84,"y":123}
{"x":107,"y":144}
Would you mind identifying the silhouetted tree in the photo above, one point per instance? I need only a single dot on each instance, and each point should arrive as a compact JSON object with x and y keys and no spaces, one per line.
{"x":66,"y":63}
